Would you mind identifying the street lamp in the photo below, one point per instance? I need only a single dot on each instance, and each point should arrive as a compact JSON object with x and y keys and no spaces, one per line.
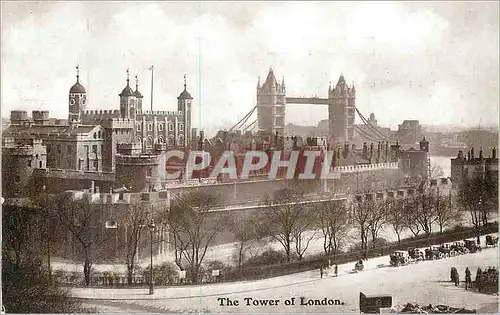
{"x":479,"y":203}
{"x":151,"y":226}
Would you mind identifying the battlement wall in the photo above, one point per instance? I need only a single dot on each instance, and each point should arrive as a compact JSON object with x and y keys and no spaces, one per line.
{"x":111,"y":113}
{"x":160,"y":113}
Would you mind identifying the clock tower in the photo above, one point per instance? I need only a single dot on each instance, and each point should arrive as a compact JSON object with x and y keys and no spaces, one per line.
{"x":77,"y":99}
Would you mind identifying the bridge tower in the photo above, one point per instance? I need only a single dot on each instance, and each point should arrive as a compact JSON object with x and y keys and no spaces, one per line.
{"x":341,"y":112}
{"x":271,"y":101}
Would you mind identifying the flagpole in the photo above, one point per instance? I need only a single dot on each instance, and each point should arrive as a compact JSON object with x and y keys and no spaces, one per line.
{"x":152,"y":67}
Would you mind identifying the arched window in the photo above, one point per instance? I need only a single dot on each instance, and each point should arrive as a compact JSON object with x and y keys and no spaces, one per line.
{"x":99,"y":134}
{"x":160,"y":126}
{"x":181,"y":139}
{"x":150,"y":127}
{"x":160,"y":139}
{"x":170,"y":127}
{"x":181,"y":127}
{"x":95,"y":135}
{"x":149,"y":142}
{"x":171,"y":141}
{"x":138,"y":127}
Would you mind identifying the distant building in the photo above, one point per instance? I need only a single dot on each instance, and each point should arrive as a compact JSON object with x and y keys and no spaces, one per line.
{"x":466,"y":167}
{"x":409,"y":132}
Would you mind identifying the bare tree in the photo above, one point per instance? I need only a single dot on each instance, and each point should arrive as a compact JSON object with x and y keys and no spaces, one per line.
{"x":305,"y":232}
{"x":195,"y":226}
{"x":77,"y":216}
{"x":20,"y":240}
{"x":478,"y":196}
{"x":135,"y":222}
{"x":282,"y":218}
{"x":246,"y":235}
{"x":361,"y":218}
{"x":376,"y":219}
{"x":410,"y":208}
{"x":332,"y":219}
{"x":396,"y":217}
{"x":425,"y":213}
{"x":445,"y":214}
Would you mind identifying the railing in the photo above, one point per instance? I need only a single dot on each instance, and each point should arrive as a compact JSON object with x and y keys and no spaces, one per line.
{"x":365,"y":167}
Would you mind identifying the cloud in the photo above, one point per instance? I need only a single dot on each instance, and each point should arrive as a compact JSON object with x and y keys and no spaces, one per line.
{"x":407,"y":60}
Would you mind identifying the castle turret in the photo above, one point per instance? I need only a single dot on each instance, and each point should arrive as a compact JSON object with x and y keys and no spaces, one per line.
{"x":271,"y":100}
{"x":341,"y":112}
{"x":128,"y":101}
{"x":77,"y":99}
{"x":424,"y":145}
{"x":138,"y":95}
{"x":184,"y":103}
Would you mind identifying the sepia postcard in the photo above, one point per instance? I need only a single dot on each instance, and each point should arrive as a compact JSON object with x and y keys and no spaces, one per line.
{"x":249,"y":157}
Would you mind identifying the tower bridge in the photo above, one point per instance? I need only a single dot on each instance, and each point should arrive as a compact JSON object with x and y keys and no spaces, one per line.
{"x":272,"y":101}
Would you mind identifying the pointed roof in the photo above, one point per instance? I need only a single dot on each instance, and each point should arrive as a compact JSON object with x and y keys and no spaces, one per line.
{"x":185,"y":95}
{"x":77,"y":87}
{"x":271,"y":79}
{"x":341,"y":81}
{"x":137,"y":93}
{"x":127,"y":91}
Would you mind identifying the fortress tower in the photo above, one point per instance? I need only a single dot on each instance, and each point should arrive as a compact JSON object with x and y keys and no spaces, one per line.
{"x":271,"y":101}
{"x":341,"y":112}
{"x":184,"y":101}
{"x":77,"y":99}
{"x":128,"y":101}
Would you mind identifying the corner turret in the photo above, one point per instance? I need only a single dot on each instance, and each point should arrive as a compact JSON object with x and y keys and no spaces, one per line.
{"x":77,"y":99}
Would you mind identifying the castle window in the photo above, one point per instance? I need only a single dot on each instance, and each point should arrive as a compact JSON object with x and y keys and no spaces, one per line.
{"x":59,"y":148}
{"x":150,"y":127}
{"x":181,"y":127}
{"x":102,"y":149}
{"x":170,"y":127}
{"x":138,"y":127}
{"x":160,"y":127}
{"x":40,"y":164}
{"x":29,"y":163}
{"x":94,"y":149}
{"x":149,"y":142}
{"x":160,"y":140}
{"x":95,"y":135}
{"x":99,"y":134}
{"x":96,"y":165}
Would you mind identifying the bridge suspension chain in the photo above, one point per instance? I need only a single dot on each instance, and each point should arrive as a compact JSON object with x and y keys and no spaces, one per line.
{"x":367,"y":136}
{"x":244,"y":119}
{"x":371,"y":127}
{"x":251,"y":126}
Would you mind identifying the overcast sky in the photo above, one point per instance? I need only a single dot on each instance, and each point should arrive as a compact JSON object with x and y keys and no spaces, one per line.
{"x":435,"y":62}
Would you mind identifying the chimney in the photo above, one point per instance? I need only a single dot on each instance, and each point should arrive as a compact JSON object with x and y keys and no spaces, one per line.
{"x":472,"y":153}
{"x":468,"y":155}
{"x":494,"y":153}
{"x":481,"y":152}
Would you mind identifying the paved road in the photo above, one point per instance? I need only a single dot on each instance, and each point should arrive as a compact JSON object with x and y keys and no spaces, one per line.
{"x":425,"y":283}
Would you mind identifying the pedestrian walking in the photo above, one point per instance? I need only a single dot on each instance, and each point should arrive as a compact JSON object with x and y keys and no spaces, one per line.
{"x":321,"y":272}
{"x":336,"y":270}
{"x":457,"y":279}
{"x":468,"y":280}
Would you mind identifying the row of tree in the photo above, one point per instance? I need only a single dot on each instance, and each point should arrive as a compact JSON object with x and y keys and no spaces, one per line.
{"x":194,"y":225}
